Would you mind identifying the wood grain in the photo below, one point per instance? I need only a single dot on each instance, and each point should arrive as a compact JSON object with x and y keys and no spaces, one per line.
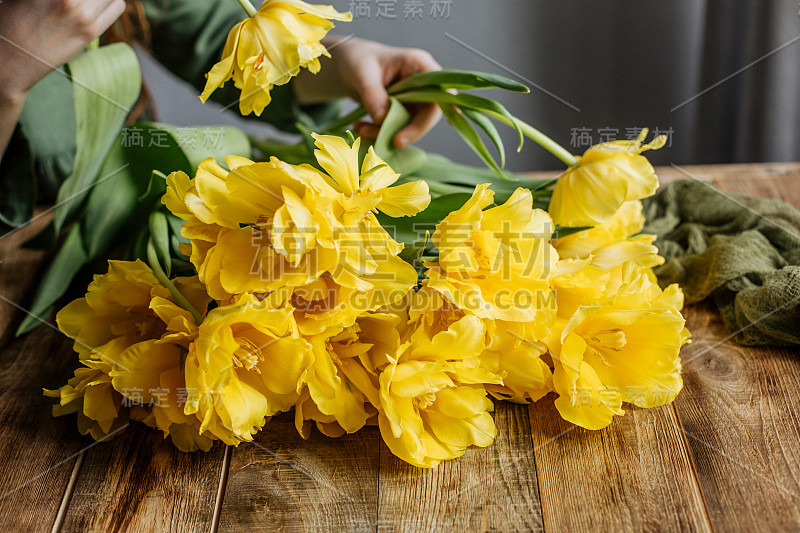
{"x":741,"y":406}
{"x":18,"y":269}
{"x":740,"y":410}
{"x":752,"y":173}
{"x":487,"y":489}
{"x":141,"y":482}
{"x":280,"y":482}
{"x":37,"y":452}
{"x":635,"y":475}
{"x":725,"y":456}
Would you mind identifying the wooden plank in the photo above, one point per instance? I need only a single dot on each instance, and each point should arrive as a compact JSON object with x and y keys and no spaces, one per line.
{"x":137,"y":481}
{"x":635,"y":475}
{"x":37,"y":452}
{"x":741,"y":406}
{"x":280,"y":482}
{"x":740,"y":409}
{"x":763,"y":183}
{"x":18,"y":269}
{"x":487,"y":489}
{"x":750,"y":172}
{"x":141,"y":482}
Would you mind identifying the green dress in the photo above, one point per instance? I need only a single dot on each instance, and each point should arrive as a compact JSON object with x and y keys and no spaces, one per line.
{"x":187,"y":37}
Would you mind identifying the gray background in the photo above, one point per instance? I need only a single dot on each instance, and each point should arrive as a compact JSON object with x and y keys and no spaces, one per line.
{"x":592,"y":65}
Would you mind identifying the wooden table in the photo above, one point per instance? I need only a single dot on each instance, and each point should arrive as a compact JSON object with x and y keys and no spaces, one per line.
{"x":725,"y":456}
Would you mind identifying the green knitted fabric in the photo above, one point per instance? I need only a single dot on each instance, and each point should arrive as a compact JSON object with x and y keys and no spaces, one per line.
{"x":743,"y":252}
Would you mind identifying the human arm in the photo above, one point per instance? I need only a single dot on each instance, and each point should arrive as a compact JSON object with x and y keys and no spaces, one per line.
{"x":38,"y":36}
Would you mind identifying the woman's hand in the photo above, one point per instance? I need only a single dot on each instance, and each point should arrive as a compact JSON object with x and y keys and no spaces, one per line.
{"x":37,"y":36}
{"x":362,"y":70}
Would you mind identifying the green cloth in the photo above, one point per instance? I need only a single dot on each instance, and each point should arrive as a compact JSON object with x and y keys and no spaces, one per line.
{"x":743,"y":252}
{"x":187,"y":38}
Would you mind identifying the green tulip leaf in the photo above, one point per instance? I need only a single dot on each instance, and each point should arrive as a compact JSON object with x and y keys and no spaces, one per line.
{"x":106,"y":83}
{"x":160,"y":237}
{"x":396,"y":119}
{"x":132,"y":180}
{"x":196,"y":144}
{"x":457,"y":79}
{"x":446,"y":176}
{"x":561,"y":231}
{"x":69,"y":260}
{"x":471,"y":137}
{"x":408,"y":161}
{"x":488,"y":126}
{"x":471,"y":101}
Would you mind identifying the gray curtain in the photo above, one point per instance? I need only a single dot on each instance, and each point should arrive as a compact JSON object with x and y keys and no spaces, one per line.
{"x":755,"y":116}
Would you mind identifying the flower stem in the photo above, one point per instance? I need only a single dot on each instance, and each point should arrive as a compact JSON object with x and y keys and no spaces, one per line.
{"x":248,"y":7}
{"x":541,"y":139}
{"x":162,"y":278}
{"x":346,"y":120}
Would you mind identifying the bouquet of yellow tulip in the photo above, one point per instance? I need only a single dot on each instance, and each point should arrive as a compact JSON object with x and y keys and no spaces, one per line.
{"x":360,"y":285}
{"x":301,"y":300}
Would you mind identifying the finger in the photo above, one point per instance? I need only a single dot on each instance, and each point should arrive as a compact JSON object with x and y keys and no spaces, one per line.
{"x":416,"y":61}
{"x":371,"y":91}
{"x":91,"y":9}
{"x":424,"y":119}
{"x":112,"y":12}
{"x":366,"y":130}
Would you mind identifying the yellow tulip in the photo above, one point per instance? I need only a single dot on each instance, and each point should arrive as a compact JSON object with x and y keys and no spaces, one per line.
{"x":128,"y":305}
{"x":514,"y":351}
{"x":433,"y":402}
{"x":368,"y":188}
{"x":588,"y":286}
{"x":90,"y":394}
{"x":511,"y":350}
{"x":270,"y":48}
{"x":117,"y":305}
{"x":129,"y":335}
{"x":613,"y":242}
{"x":427,"y":415}
{"x":245,"y":366}
{"x":152,"y":371}
{"x":496,"y":263}
{"x":593,"y":286}
{"x":341,"y":392}
{"x":433,"y":320}
{"x":607,"y":175}
{"x":599,"y":259}
{"x":146,"y":384}
{"x":310,"y":237}
{"x":626,"y":350}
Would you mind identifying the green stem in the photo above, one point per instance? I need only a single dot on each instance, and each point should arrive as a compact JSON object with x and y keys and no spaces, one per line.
{"x":541,"y":139}
{"x":290,"y":153}
{"x":94,"y":45}
{"x":346,"y":120}
{"x":162,"y":278}
{"x":248,"y":7}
